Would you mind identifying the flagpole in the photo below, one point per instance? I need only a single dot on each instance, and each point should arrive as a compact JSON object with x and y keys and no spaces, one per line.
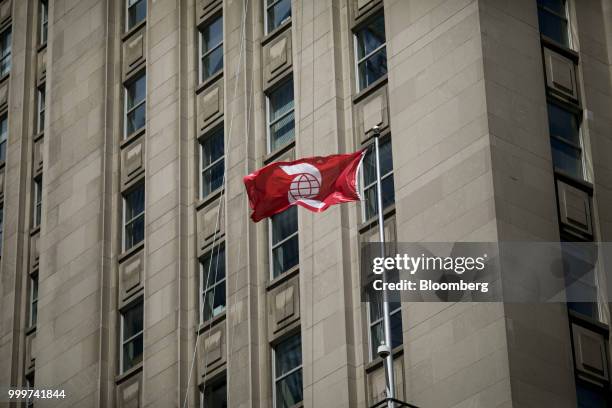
{"x":384,"y":349}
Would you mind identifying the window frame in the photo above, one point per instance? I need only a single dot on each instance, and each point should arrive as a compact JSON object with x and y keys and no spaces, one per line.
{"x":37,"y":207}
{"x":371,"y":324}
{"x":578,"y":147}
{"x":4,"y":136}
{"x":372,"y":53}
{"x":122,"y":341}
{"x":202,"y":170}
{"x":33,"y":300}
{"x":276,"y":379}
{"x":8,"y":54}
{"x":269,"y":122}
{"x":204,"y":290}
{"x":269,"y":4}
{"x":565,"y":18}
{"x":41,"y":105}
{"x":209,"y":22}
{"x":127,"y":14}
{"x":382,"y":139}
{"x":43,"y":22}
{"x":273,"y":246}
{"x":125,"y":222}
{"x":127,"y":111}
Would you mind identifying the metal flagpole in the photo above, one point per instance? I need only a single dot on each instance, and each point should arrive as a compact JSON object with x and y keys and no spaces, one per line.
{"x":384,"y":350}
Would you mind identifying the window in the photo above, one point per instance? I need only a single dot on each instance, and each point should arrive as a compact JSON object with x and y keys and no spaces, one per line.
{"x":281,"y":125}
{"x":40,"y":123}
{"x":590,"y":395}
{"x":131,"y":336}
{"x":215,"y":394}
{"x":3,"y":136}
{"x":135,"y":104}
{"x":212,"y":283}
{"x":287,"y":366}
{"x":33,"y":299}
{"x":370,"y":204}
{"x":564,"y":128}
{"x":29,"y":383}
{"x":37,"y":211}
{"x":376,"y":324}
{"x":5,"y":52}
{"x":371,"y":52}
{"x":44,"y":21}
{"x":133,"y":216}
{"x":552,"y":18}
{"x":211,"y":48}
{"x":277,"y":13}
{"x":136,"y":12}
{"x":212,"y":162}
{"x":285,"y":245}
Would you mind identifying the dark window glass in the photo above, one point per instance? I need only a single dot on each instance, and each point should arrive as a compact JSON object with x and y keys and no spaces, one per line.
{"x":281,"y":115}
{"x":565,"y":140}
{"x":136,"y":12}
{"x":377,"y":332}
{"x":213,"y":283}
{"x":3,"y":136}
{"x":33,"y":299}
{"x":278,"y":11}
{"x":215,"y":394}
{"x":5,"y":52}
{"x":591,"y":396}
{"x":136,"y":92}
{"x":285,"y":244}
{"x":132,"y":335}
{"x":369,"y":179}
{"x":211,"y":53}
{"x":371,"y":51}
{"x":212,"y":162}
{"x":134,"y":216}
{"x":552,"y":18}
{"x":288,"y":372}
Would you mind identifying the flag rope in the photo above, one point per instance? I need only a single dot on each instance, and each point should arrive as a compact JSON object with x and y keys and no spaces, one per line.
{"x":219,"y":206}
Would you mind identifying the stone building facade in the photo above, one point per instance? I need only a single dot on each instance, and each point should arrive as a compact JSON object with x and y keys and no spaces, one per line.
{"x":131,"y":275}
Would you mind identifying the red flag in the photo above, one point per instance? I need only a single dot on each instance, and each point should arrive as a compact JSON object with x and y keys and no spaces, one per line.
{"x":314,"y":183}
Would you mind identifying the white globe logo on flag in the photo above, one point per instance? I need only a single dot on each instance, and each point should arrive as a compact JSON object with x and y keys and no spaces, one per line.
{"x":306,"y":184}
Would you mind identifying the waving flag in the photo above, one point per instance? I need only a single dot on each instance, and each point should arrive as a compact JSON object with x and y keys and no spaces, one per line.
{"x":314,"y":183}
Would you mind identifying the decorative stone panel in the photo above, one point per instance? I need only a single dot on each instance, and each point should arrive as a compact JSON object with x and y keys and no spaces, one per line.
{"x":208,"y":223}
{"x":560,"y":74}
{"x":277,"y":57}
{"x":590,"y":352}
{"x":5,"y":12}
{"x":34,"y":251}
{"x":283,"y":307}
{"x":4,"y":94}
{"x":30,"y":350}
{"x":212,"y":350}
{"x":376,"y":382}
{"x":204,"y":8}
{"x":37,"y":154}
{"x":361,"y":7}
{"x":130,"y":275}
{"x":210,"y":106}
{"x":372,"y":111}
{"x":132,"y":161}
{"x":134,"y":52}
{"x":129,"y":392}
{"x":574,"y":208}
{"x":41,"y":65}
